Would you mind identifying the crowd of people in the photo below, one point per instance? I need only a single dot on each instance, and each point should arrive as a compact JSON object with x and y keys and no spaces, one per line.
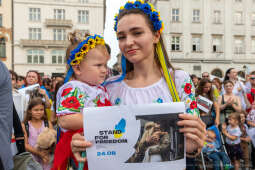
{"x":147,"y":76}
{"x":232,"y":111}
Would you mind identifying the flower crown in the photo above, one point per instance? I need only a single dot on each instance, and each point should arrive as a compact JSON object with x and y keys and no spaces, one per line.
{"x":147,"y":8}
{"x":82,"y":49}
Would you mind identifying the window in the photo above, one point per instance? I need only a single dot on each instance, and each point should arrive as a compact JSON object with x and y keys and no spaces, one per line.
{"x":2,"y":48}
{"x":58,"y":57}
{"x":217,"y":44}
{"x":238,"y":18}
{"x":239,"y":45}
{"x":59,"y":14}
{"x":34,"y":14}
{"x":59,"y":34}
{"x":175,"y":15}
{"x":216,"y":19}
{"x":35,"y":57}
{"x":253,"y":45}
{"x":196,"y":44}
{"x":253,"y":19}
{"x":1,"y":20}
{"x":35,"y":34}
{"x":83,"y":16}
{"x":83,"y":1}
{"x":175,"y":44}
{"x":196,"y":15}
{"x":83,"y":32}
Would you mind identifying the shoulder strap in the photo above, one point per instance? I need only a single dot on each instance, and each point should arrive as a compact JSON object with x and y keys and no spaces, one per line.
{"x":27,"y":128}
{"x":46,"y":123}
{"x":223,"y":102}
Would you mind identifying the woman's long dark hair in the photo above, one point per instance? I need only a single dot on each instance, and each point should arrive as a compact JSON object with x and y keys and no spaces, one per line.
{"x":129,"y":65}
{"x":199,"y":90}
{"x":226,"y":74}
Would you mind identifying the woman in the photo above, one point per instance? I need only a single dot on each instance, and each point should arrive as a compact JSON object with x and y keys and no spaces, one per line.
{"x":238,"y":89}
{"x":228,"y":102}
{"x":138,"y":31}
{"x":213,"y":116}
{"x":218,"y":85}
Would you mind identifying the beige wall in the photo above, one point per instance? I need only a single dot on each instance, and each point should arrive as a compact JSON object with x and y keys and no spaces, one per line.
{"x":6,"y":31}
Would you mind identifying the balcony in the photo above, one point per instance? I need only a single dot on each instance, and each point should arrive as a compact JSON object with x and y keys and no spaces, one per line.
{"x":58,"y":23}
{"x":44,"y":43}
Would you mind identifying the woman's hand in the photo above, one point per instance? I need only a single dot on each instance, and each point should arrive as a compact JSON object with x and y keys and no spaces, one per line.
{"x":194,"y":130}
{"x":78,"y":144}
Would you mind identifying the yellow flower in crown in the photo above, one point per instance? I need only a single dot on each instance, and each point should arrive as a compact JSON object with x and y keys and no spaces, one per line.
{"x":91,"y":43}
{"x":84,"y":48}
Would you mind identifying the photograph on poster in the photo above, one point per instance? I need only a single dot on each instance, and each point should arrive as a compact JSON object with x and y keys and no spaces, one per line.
{"x":159,"y":139}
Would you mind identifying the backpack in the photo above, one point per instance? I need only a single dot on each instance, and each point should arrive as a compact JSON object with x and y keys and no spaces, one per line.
{"x":46,"y":124}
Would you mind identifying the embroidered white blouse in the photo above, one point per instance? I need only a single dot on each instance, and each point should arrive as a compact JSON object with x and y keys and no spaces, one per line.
{"x":122,"y":94}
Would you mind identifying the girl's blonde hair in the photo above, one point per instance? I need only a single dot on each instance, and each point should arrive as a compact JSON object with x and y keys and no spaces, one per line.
{"x":32,"y":103}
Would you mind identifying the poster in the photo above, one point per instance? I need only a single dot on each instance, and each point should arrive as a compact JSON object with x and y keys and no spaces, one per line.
{"x":204,"y":103}
{"x":138,"y":137}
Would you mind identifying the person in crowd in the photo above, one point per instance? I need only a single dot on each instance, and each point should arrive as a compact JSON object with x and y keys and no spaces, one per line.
{"x":213,"y":151}
{"x":233,"y":134}
{"x":245,"y":140}
{"x":87,"y":69}
{"x":216,"y":93}
{"x":238,"y":89}
{"x":218,"y":84}
{"x":251,"y":122}
{"x":46,"y":84}
{"x":194,"y":80}
{"x":20,"y":82}
{"x":213,"y":116}
{"x":251,"y":93}
{"x":206,"y":75}
{"x":142,"y":80}
{"x":6,"y":118}
{"x":228,"y":102}
{"x":55,"y":80}
{"x":14,"y":78}
{"x":34,"y":122}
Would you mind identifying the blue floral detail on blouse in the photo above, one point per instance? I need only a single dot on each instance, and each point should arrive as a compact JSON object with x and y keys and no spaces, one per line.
{"x":117,"y":101}
{"x":159,"y":100}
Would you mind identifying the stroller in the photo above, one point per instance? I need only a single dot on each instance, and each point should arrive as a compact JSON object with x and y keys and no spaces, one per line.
{"x":222,"y":148}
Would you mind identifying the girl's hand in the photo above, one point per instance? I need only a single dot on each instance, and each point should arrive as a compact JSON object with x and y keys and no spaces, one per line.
{"x":194,"y":130}
{"x":78,"y":144}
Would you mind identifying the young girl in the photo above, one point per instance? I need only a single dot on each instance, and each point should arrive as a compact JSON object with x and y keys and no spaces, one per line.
{"x":138,"y":28}
{"x":34,"y":123}
{"x":233,"y":133}
{"x":87,"y":67}
{"x":245,"y":140}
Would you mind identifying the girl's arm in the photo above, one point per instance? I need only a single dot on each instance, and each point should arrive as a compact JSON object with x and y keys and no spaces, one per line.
{"x":28,"y":147}
{"x":250,"y":123}
{"x":246,"y":139}
{"x":71,"y":121}
{"x":217,"y":112}
{"x":231,"y":137}
{"x":237,"y":106}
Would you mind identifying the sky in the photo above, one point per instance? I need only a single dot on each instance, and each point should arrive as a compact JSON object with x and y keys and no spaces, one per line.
{"x":112,"y":7}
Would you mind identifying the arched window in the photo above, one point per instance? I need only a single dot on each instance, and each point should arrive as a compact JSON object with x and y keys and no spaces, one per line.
{"x":217,"y":72}
{"x":2,"y":48}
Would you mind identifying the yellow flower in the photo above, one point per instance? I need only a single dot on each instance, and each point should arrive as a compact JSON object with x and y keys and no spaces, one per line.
{"x":77,"y":55}
{"x":75,"y":62}
{"x":91,"y":43}
{"x":121,"y":8}
{"x":85,"y":48}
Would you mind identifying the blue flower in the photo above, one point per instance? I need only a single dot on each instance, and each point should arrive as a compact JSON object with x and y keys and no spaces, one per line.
{"x":154,"y":16}
{"x":157,"y":26}
{"x":146,"y":8}
{"x":129,"y":6}
{"x":137,"y":4}
{"x":188,"y":110}
{"x":117,"y":101}
{"x":159,"y":100}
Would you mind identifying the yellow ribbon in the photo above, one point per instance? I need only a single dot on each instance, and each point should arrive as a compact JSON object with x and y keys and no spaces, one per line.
{"x":167,"y":75}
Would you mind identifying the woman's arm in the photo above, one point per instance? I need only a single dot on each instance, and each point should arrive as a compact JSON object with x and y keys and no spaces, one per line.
{"x":217,"y":112}
{"x":237,"y":104}
{"x":250,"y":123}
{"x":221,"y":106}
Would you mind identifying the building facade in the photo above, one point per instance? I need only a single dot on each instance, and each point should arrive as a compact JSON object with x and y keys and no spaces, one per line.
{"x":41,"y":29}
{"x":209,"y":35}
{"x":6,"y":32}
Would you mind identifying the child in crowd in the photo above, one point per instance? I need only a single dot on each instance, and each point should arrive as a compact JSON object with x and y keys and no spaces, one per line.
{"x":212,"y":149}
{"x":251,"y":122}
{"x":233,"y":134}
{"x":245,"y":139}
{"x":87,"y":69}
{"x":34,"y":123}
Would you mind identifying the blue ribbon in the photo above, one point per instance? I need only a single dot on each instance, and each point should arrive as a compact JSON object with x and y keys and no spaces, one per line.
{"x":69,"y":74}
{"x":123,"y":75}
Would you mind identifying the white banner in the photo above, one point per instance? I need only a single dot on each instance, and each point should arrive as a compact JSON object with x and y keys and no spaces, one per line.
{"x":204,"y":103}
{"x":138,"y":137}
